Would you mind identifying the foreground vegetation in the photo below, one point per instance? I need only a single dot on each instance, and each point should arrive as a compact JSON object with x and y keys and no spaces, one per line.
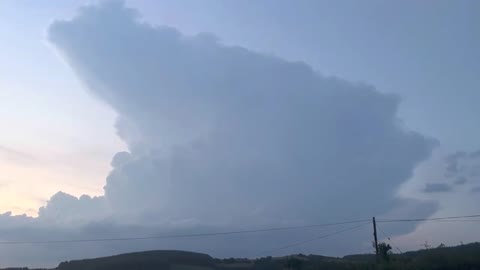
{"x":464,"y":257}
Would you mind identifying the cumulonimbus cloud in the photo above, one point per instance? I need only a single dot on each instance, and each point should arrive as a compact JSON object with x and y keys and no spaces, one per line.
{"x":226,"y":137}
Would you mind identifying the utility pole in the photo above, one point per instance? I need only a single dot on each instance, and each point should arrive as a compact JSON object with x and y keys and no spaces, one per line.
{"x":375,"y":237}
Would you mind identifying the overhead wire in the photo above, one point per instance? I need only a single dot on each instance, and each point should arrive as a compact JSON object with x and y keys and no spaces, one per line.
{"x":311,"y":239}
{"x":427,"y":219}
{"x":464,"y":218}
{"x":178,"y":235}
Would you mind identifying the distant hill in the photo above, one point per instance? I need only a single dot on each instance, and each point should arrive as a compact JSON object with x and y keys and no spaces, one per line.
{"x":154,"y":260}
{"x":464,"y":257}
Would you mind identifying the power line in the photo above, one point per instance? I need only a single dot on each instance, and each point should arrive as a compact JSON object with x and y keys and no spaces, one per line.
{"x":451,"y":218}
{"x":178,"y":235}
{"x":311,"y":239}
{"x":428,"y":219}
{"x":457,"y":220}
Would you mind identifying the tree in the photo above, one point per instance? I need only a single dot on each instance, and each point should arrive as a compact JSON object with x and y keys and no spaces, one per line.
{"x":384,"y":251}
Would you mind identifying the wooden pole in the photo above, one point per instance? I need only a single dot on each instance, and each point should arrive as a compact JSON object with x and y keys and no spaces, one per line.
{"x":375,"y":237}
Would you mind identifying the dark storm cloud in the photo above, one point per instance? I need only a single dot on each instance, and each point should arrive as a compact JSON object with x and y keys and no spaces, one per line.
{"x":475,"y":154}
{"x":461,"y":165}
{"x":437,"y":187}
{"x":452,"y":161}
{"x":461,"y":180}
{"x":223,"y":137}
{"x":475,"y":189}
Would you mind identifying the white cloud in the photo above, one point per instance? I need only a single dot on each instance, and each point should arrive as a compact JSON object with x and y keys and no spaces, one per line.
{"x":69,"y":210}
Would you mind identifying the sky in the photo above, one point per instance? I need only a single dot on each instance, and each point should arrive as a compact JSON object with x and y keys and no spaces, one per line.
{"x":136,"y":118}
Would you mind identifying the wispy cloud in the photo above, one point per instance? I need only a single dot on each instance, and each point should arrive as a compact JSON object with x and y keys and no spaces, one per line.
{"x":16,"y":156}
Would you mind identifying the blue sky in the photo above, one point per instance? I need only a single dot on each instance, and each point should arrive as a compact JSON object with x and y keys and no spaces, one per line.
{"x":64,"y":120}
